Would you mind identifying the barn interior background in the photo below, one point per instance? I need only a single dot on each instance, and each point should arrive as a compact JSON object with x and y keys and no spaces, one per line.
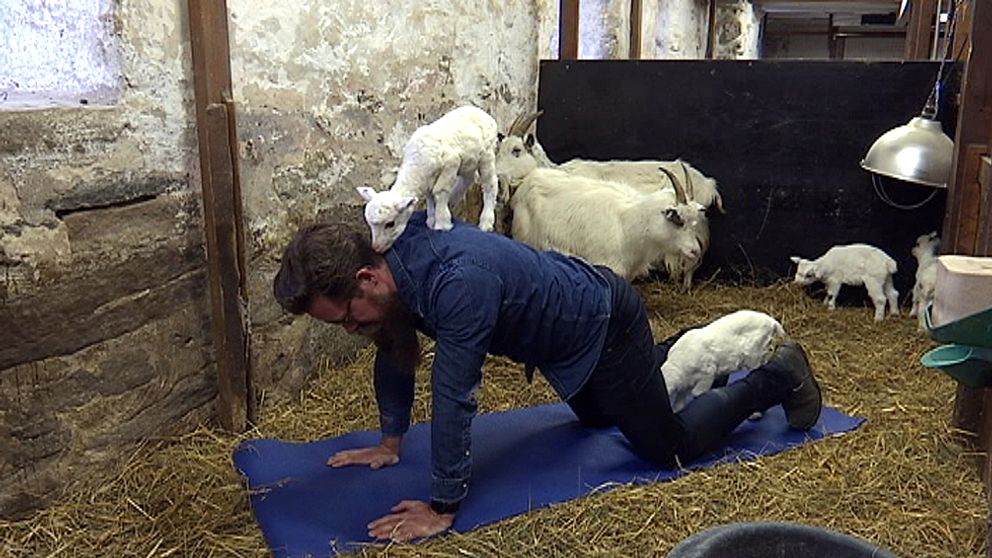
{"x":109,"y":333}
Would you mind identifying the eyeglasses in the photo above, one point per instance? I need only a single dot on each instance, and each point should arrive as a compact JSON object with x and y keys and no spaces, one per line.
{"x":347,"y":319}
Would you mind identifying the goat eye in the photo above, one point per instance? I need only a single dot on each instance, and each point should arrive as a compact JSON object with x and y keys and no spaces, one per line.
{"x":390,"y":225}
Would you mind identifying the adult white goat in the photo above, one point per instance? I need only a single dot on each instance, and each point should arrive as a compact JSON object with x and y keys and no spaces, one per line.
{"x":519,"y":153}
{"x":742,"y":340}
{"x":925,"y":252}
{"x":853,"y":264}
{"x":642,"y":174}
{"x":606,"y":223}
{"x":440,"y":161}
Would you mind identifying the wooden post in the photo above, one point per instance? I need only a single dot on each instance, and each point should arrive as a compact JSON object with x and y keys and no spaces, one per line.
{"x":974,"y":131}
{"x":962,"y":16}
{"x":568,"y":30}
{"x":634,"y":52}
{"x":222,"y":211}
{"x":962,"y":216}
{"x":921,"y":16}
{"x":831,"y":37}
{"x":983,"y":244}
{"x":711,"y":31}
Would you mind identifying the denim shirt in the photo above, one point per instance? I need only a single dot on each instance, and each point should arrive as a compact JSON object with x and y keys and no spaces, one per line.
{"x":476,"y":293}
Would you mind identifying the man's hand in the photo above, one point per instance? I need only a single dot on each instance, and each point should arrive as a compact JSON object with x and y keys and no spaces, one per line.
{"x":379,"y":456}
{"x":386,"y":453}
{"x":411,"y":519}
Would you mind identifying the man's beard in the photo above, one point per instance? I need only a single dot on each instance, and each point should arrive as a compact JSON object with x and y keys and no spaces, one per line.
{"x":395,"y":335}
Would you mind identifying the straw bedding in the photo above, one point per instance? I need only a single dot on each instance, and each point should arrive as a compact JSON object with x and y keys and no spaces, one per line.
{"x":905,"y":480}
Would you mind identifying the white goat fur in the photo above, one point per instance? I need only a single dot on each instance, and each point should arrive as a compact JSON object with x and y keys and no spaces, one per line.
{"x":440,"y":161}
{"x":518,"y":156}
{"x":925,"y":252}
{"x":853,"y":264}
{"x":743,"y":340}
{"x":644,"y":176}
{"x":605,"y":223}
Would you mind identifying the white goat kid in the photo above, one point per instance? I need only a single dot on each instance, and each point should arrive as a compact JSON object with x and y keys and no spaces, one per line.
{"x":743,"y":340}
{"x":440,"y":161}
{"x":605,"y":223}
{"x":925,"y":252}
{"x":853,"y":264}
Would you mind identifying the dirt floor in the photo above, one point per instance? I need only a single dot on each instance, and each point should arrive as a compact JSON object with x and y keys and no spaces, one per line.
{"x":905,"y":480}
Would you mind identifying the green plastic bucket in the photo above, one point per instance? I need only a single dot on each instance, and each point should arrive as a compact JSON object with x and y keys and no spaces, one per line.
{"x":974,"y":330}
{"x":972,"y":366}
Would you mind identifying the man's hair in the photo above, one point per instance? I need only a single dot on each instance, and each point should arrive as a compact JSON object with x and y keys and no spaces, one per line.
{"x":322,"y":259}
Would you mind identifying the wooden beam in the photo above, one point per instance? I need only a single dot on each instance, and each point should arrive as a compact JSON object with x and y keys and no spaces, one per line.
{"x":634,"y":52}
{"x":962,"y":29}
{"x":711,"y":31}
{"x":921,"y":17}
{"x":968,"y":409}
{"x":828,"y":5}
{"x":962,"y":217}
{"x":222,"y":210}
{"x":971,"y":141}
{"x":568,"y":30}
{"x":831,"y":39}
{"x":983,"y":244}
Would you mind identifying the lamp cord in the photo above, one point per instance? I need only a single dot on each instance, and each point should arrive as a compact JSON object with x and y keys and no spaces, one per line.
{"x":880,"y":191}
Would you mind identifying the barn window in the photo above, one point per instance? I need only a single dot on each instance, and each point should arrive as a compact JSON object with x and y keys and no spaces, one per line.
{"x":57,"y":53}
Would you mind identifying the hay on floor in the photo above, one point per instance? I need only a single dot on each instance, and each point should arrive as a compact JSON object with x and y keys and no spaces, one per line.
{"x":904,"y":480}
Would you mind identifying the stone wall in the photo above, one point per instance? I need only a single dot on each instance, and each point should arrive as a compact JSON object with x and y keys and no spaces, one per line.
{"x":328,"y":96}
{"x":103,"y":311}
{"x":738,"y":31}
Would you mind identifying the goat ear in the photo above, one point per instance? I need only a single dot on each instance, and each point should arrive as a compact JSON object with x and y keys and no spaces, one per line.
{"x":365,"y":192}
{"x":795,"y":259}
{"x":406,"y":202}
{"x":529,"y":141}
{"x":673,"y":217}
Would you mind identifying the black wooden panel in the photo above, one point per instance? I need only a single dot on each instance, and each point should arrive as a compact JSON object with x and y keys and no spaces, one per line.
{"x":783,"y":139}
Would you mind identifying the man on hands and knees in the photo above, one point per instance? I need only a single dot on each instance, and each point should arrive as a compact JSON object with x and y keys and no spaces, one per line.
{"x":582,"y":326}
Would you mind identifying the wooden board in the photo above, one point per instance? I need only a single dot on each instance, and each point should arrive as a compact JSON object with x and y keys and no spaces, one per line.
{"x":784,"y":139}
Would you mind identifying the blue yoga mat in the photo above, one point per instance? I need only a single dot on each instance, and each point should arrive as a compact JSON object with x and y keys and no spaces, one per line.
{"x":522,"y":459}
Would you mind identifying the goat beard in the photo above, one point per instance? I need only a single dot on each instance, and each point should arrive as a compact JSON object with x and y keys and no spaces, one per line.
{"x":397,"y":337}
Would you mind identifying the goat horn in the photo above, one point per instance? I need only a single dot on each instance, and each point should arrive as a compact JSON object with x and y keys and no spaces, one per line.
{"x":690,"y":192}
{"x":679,"y":191}
{"x":522,"y":123}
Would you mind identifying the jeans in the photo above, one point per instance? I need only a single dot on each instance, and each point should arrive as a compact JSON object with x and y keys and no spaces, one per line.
{"x":627,"y":390}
